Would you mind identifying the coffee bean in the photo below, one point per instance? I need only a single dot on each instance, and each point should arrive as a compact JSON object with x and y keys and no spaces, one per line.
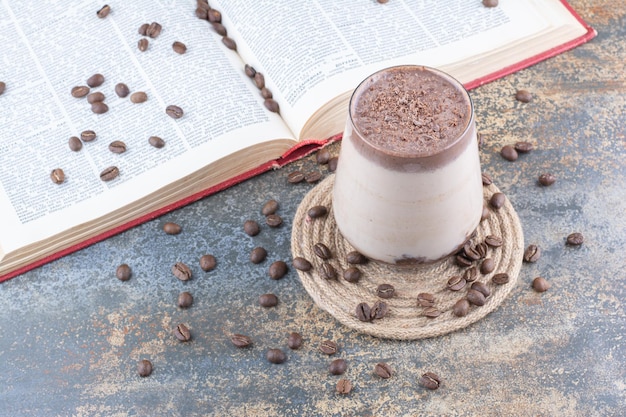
{"x":143,"y":44}
{"x":523,"y":147}
{"x":57,"y":176}
{"x":229,"y":43}
{"x":481,"y":249}
{"x":493,"y":241}
{"x":144,"y":368}
{"x":182,"y":333}
{"x":266,"y":94}
{"x":95,"y":97}
{"x":532,"y":253}
{"x":481,"y":288}
{"x":301,"y":264}
{"x":327,"y":271}
{"x":75,"y":144}
{"x":475,"y":297}
{"x":104,"y":11}
{"x":271,"y":105}
{"x":80,"y":91}
{"x":425,"y":299}
{"x":470,"y":252}
{"x":497,"y":200}
{"x":259,"y":80}
{"x":383,"y":370}
{"x":317,"y":211}
{"x":270,"y":207}
{"x":456,"y":283}
{"x":154,"y":30}
{"x":312,"y":177}
{"x":385,"y":291}
{"x":487,"y":266}
{"x":258,"y":255}
{"x":214,"y":16}
{"x":363,"y":312}
{"x":277,"y":270}
{"x":219,"y":28}
{"x":123,"y":272}
{"x":486,"y":179}
{"x":329,"y":347}
{"x":431,"y":312}
{"x":547,"y":179}
{"x":185,"y":299}
{"x":322,"y":156}
{"x":500,"y":279}
{"x":201,"y":13}
{"x":174,"y":112}
{"x":143,"y":29}
{"x":99,"y":107}
{"x":156,"y":141}
{"x":208,"y":262}
{"x":109,"y":173}
{"x":322,"y":251}
{"x":249,"y":70}
{"x":383,"y":1}
{"x":268,"y":300}
{"x":509,"y":153}
{"x":88,"y":135}
{"x":294,"y":341}
{"x":95,"y":80}
{"x":276,"y":356}
{"x":462,"y":261}
{"x":343,"y":386}
{"x":273,"y":220}
{"x":240,"y":340}
{"x":430,"y":381}
{"x":575,"y":239}
{"x":172,"y":228}
{"x":461,"y":308}
{"x":356,"y":258}
{"x":379,"y":310}
{"x":352,"y":274}
{"x":485,"y":214}
{"x":332,"y":163}
{"x":181,"y":271}
{"x":524,"y":96}
{"x":251,"y":228}
{"x":295,"y":177}
{"x":3,"y":87}
{"x":121,"y":90}
{"x":117,"y":146}
{"x":138,"y":97}
{"x":540,"y":284}
{"x":338,"y":367}
{"x":179,"y":47}
{"x":470,"y":274}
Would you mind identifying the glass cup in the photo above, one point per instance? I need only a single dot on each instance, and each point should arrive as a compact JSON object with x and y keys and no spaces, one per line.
{"x":408,"y":185}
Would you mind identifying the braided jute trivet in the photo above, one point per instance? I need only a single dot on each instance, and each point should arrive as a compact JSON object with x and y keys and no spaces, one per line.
{"x":405,"y":319}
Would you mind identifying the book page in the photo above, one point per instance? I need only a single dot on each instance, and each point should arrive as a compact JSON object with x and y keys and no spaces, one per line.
{"x":48,"y":47}
{"x":316,"y":50}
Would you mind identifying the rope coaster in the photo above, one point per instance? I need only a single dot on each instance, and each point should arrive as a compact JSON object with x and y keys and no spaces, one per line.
{"x":405,"y":318}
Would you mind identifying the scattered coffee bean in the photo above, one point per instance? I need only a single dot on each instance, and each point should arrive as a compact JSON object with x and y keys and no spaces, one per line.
{"x":181,"y":271}
{"x":301,"y":264}
{"x":356,"y":258}
{"x":494,"y":241}
{"x":470,"y":252}
{"x":547,"y":179}
{"x":352,"y":274}
{"x":461,"y":308}
{"x":117,"y":146}
{"x":154,"y":30}
{"x":481,"y":249}
{"x":185,"y":299}
{"x":268,"y":300}
{"x":575,"y":239}
{"x":80,"y":91}
{"x":430,"y":381}
{"x":109,"y":173}
{"x":322,"y":156}
{"x":273,"y":220}
{"x":240,"y":340}
{"x":500,"y":279}
{"x":487,"y":266}
{"x":343,"y":386}
{"x":249,"y":70}
{"x":144,"y":368}
{"x":295,"y":177}
{"x":121,"y":90}
{"x":267,"y":94}
{"x":277,"y":270}
{"x":524,"y":96}
{"x":251,"y":228}
{"x":3,"y":87}
{"x":258,"y":255}
{"x":143,"y":44}
{"x":470,"y":274}
{"x":270,"y":207}
{"x":182,"y":333}
{"x":490,"y":3}
{"x":476,"y":297}
{"x":317,"y":211}
{"x":104,"y":11}
{"x":322,"y":251}
{"x":456,"y":283}
{"x":276,"y":356}
{"x":431,"y":312}
{"x":214,"y":16}
{"x":379,"y":310}
{"x":99,"y":107}
{"x":201,"y":13}
{"x":383,"y":370}
{"x":123,"y":272}
{"x":509,"y":153}
{"x":462,"y":261}
{"x":220,"y":29}
{"x":481,"y":288}
{"x":540,"y":284}
{"x":385,"y":291}
{"x":156,"y":141}
{"x":95,"y":80}
{"x":230,"y":43}
{"x":425,"y":299}
{"x":338,"y":367}
{"x":174,"y":112}
{"x":312,"y":177}
{"x":95,"y":97}
{"x":485,"y":214}
{"x":138,"y":97}
{"x":57,"y":176}
{"x":179,"y":47}
{"x":329,"y":347}
{"x":294,"y":341}
{"x":486,"y":179}
{"x":497,"y":200}
{"x":523,"y":147}
{"x":532,"y":253}
{"x":327,"y":271}
{"x":172,"y":228}
{"x":363,"y":312}
{"x":143,"y":29}
{"x":271,"y":105}
{"x":75,"y":144}
{"x":208,"y":262}
{"x":383,"y":1}
{"x":332,"y":163}
{"x":259,"y":80}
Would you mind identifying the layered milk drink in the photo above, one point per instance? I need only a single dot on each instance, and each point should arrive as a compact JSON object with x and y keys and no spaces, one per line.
{"x":408,"y":185}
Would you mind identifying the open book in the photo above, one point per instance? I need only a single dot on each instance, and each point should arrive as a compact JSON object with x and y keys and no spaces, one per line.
{"x":312,"y":54}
